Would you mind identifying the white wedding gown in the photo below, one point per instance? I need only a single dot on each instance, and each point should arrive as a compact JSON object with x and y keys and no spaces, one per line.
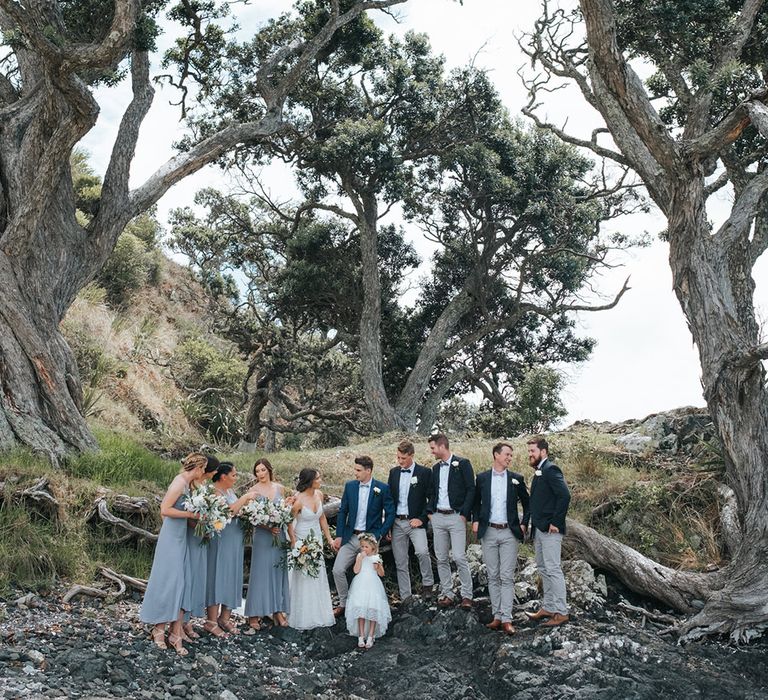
{"x":311,"y":604}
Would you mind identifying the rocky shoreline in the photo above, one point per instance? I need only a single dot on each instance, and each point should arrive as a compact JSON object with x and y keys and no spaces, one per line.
{"x":93,"y":649}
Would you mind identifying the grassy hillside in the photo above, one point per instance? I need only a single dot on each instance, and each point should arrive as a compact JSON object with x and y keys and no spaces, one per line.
{"x":666,"y":509}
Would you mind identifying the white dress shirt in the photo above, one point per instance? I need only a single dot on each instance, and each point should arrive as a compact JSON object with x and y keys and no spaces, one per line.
{"x":362,"y":504}
{"x":498,"y":514}
{"x":405,"y":486}
{"x":443,"y":503}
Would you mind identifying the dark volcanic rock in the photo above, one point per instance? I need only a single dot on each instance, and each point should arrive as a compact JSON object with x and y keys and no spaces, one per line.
{"x":427,"y":653}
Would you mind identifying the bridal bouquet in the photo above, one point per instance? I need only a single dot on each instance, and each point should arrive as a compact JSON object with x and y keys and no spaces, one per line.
{"x":306,"y":556}
{"x":211,"y":510}
{"x":266,"y":513}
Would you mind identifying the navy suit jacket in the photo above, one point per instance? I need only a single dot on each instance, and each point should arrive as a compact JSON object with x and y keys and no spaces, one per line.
{"x":461,"y":486}
{"x":379,"y":516}
{"x":418,"y":493}
{"x":481,"y":512}
{"x":549,"y":498}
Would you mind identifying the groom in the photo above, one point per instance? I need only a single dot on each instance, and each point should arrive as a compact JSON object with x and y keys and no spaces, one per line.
{"x":366,"y":506}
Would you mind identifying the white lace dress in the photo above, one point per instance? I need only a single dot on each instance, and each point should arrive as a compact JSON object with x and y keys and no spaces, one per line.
{"x":311,"y":604}
{"x":367,"y":599}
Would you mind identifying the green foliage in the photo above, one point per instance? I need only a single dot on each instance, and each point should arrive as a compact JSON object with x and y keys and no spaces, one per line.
{"x":126,"y":270}
{"x":535,"y":408}
{"x":214,"y":381}
{"x":121,"y":464}
{"x":34,"y":552}
{"x":685,"y":37}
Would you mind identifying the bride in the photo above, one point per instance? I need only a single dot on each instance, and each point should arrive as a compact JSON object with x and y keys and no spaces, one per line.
{"x":311,"y":604}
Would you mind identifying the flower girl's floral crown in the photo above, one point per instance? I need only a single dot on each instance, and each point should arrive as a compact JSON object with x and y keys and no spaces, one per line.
{"x":370,"y":539}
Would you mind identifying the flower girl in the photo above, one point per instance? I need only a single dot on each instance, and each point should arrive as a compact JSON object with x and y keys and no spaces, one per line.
{"x":367,"y":604}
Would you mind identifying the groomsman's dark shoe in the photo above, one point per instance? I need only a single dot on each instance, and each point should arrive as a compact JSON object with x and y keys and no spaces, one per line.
{"x":556,"y":620}
{"x":339,"y":612}
{"x":445,"y":602}
{"x":466,"y":604}
{"x":426,"y":591}
{"x":540,"y":614}
{"x":496,"y":624}
{"x":507,"y":628}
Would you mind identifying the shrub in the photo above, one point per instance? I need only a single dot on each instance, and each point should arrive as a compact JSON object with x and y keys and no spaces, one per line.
{"x":126,"y":270}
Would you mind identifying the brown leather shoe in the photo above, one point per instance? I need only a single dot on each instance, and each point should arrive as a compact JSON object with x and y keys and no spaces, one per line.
{"x":445,"y":602}
{"x":556,"y":620}
{"x":426,"y":591}
{"x":496,"y":624}
{"x":338,"y":612}
{"x":539,"y":614}
{"x":466,"y":604}
{"x":507,"y":628}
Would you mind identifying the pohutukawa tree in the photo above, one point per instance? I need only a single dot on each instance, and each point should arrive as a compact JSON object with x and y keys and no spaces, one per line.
{"x":518,"y":233}
{"x":696,"y":127}
{"x":56,"y":52}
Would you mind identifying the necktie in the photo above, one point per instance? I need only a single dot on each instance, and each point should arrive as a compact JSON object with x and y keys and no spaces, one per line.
{"x":405,"y":471}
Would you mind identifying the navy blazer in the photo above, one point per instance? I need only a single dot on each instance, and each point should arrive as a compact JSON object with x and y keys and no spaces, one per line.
{"x":418,"y":493}
{"x":461,"y":486}
{"x":379,"y":516}
{"x":549,"y":498}
{"x":481,"y":513}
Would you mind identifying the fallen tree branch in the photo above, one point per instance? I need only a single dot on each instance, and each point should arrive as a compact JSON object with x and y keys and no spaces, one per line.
{"x":103,"y":511}
{"x":83,"y":590}
{"x":138,"y":584}
{"x":654,"y":616}
{"x":40,"y":493}
{"x":677,"y":589}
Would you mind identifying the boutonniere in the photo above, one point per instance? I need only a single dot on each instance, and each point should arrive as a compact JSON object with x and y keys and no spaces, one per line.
{"x":538,"y":472}
{"x":515,"y":482}
{"x":414,"y":480}
{"x":455,"y":463}
{"x":376,"y":490}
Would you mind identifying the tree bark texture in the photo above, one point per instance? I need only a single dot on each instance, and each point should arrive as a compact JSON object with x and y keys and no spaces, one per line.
{"x":712,"y":277}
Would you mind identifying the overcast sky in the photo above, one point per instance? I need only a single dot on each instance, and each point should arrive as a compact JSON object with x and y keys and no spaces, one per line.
{"x":644,"y":360}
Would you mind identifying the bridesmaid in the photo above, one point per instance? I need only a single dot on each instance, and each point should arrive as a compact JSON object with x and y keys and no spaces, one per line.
{"x":197,"y":567}
{"x":224,"y":587}
{"x":165,"y":588}
{"x":268,"y":582}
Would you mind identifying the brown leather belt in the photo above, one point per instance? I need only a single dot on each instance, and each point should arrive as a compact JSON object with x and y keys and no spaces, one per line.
{"x":358,"y":532}
{"x":402,"y":517}
{"x":446,"y":512}
{"x":498,"y":526}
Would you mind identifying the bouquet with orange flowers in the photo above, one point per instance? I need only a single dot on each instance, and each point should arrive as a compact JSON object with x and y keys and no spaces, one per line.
{"x":306,"y":555}
{"x":211,"y":510}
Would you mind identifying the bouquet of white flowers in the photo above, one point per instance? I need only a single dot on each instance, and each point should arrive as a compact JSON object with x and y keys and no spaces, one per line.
{"x":306,"y":556}
{"x":266,"y":513}
{"x":211,"y":510}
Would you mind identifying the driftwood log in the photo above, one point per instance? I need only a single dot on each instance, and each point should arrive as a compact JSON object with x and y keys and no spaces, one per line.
{"x":103,"y":513}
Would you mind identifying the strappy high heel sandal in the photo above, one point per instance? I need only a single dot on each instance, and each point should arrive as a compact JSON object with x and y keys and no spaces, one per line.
{"x":177,"y":644}
{"x":214,"y":630}
{"x":228,"y":625}
{"x":280,"y":620}
{"x":157,"y":635}
{"x":189,"y":632}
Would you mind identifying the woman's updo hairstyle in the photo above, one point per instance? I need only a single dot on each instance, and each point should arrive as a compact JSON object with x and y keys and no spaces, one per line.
{"x":267,"y":465}
{"x":213,"y":464}
{"x":194,"y":460}
{"x":223,"y":469}
{"x":305,"y":478}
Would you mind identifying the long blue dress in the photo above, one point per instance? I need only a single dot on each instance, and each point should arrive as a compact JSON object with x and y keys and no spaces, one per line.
{"x":195,"y":581}
{"x":224,"y":584}
{"x":268,"y":582}
{"x":165,"y":588}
